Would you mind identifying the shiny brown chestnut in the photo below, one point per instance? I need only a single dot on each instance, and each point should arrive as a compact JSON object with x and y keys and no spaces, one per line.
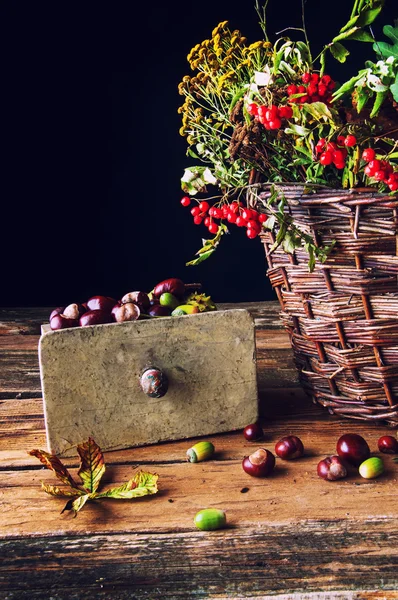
{"x":60,"y":321}
{"x":172,"y":285}
{"x":57,"y":311}
{"x":140,"y":298}
{"x":259,"y":464}
{"x":95,"y":317}
{"x":353,"y":448}
{"x":388,"y":444}
{"x":74,"y":311}
{"x":157,"y":310}
{"x":101,"y":303}
{"x":114,"y":309}
{"x":253,"y":432}
{"x":289,"y":447}
{"x":126,"y":312}
{"x":331,"y":468}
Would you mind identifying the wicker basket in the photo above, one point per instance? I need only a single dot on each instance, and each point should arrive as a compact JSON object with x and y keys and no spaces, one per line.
{"x":343,"y":317}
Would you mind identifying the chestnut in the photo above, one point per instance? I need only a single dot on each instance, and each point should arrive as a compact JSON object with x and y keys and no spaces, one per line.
{"x":126,"y":312}
{"x":101,"y":303}
{"x":259,"y":464}
{"x":388,"y":444}
{"x":157,"y":310}
{"x":331,"y":468}
{"x":95,"y":317}
{"x":172,"y":285}
{"x":115,"y":308}
{"x":57,"y":311}
{"x":140,"y":298}
{"x":253,"y":432}
{"x":289,"y":447}
{"x":60,"y":321}
{"x":353,"y":448}
{"x":74,"y":311}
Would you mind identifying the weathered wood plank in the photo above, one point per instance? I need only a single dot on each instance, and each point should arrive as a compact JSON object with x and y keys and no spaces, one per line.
{"x":23,"y":320}
{"x":285,"y":412}
{"x":253,"y":562}
{"x":293,"y":492}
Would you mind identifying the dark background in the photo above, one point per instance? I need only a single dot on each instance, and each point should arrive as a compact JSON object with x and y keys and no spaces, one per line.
{"x":92,"y":157}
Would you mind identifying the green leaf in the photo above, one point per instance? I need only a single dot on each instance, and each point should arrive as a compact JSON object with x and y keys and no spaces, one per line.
{"x":394,"y":89}
{"x":362,"y":95}
{"x":79,"y":503}
{"x":349,"y":85}
{"x":350,"y":23}
{"x":201,"y":258}
{"x":380,"y":97}
{"x":236,"y":97}
{"x":339,"y":52}
{"x":318,"y":110}
{"x":361,"y":36}
{"x":92,"y":465}
{"x":142,"y":484}
{"x":384,"y":48}
{"x":304,"y":52}
{"x":345,"y":34}
{"x":192,"y":153}
{"x":368,"y":16}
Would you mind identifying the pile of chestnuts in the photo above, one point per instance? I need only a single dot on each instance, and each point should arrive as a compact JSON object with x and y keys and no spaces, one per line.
{"x":170,"y":297}
{"x":352,"y":451}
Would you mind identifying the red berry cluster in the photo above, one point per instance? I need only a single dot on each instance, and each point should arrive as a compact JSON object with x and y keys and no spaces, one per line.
{"x":315,"y":89}
{"x":335,"y":152}
{"x":270,"y":116}
{"x":380,"y":170}
{"x":234,"y":213}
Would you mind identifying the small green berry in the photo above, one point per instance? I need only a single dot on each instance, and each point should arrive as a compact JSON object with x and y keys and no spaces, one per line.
{"x":371,"y":468}
{"x":200,"y":451}
{"x":210,"y":519}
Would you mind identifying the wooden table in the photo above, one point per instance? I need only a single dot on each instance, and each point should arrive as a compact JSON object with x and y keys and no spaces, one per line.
{"x":291,"y":535}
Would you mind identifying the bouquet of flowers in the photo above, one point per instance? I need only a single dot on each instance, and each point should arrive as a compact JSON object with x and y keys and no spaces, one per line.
{"x":270,"y":113}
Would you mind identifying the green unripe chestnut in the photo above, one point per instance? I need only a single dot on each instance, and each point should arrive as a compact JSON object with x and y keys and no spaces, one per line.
{"x":169,"y":300}
{"x":200,"y":451}
{"x":178,"y":312}
{"x":210,"y":519}
{"x":371,"y":468}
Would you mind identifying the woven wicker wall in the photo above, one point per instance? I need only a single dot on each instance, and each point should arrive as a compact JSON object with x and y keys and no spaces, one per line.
{"x":343,"y":317}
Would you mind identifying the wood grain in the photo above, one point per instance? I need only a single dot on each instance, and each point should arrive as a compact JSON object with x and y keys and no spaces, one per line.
{"x":252,"y":562}
{"x":291,"y":536}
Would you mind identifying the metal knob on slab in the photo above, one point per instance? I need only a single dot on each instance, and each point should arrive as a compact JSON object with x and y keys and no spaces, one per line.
{"x":154,"y":382}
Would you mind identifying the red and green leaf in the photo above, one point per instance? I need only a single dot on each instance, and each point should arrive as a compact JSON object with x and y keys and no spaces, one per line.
{"x":91,"y":470}
{"x":92,"y":465}
{"x":52,"y":462}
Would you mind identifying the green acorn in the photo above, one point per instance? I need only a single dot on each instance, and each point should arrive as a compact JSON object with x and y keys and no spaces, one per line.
{"x":200,"y":451}
{"x":371,"y":468}
{"x":210,"y":519}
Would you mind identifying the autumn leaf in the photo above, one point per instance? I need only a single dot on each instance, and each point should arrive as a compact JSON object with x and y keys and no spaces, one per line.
{"x":142,"y":484}
{"x":54,"y":490}
{"x":92,"y":465}
{"x":51,"y":461}
{"x":92,"y":468}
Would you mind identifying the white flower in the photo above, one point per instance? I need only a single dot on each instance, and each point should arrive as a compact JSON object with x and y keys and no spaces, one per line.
{"x":208,"y":177}
{"x":382,"y":67}
{"x":263,"y":78}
